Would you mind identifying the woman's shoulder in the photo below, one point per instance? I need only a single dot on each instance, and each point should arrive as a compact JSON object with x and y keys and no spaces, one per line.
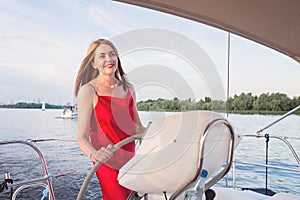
{"x":87,"y":89}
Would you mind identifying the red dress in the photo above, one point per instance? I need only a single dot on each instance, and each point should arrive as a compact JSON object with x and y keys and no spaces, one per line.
{"x":113,"y":121}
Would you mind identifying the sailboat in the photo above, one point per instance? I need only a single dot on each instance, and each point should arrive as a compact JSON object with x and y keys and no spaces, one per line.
{"x":273,"y":23}
{"x":43,"y":106}
{"x":191,"y":175}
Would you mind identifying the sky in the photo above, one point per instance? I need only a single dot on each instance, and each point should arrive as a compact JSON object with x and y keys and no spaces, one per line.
{"x":42,"y":44}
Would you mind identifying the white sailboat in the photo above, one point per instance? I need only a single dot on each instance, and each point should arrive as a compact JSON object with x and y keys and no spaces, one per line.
{"x":274,"y":23}
{"x":43,"y":106}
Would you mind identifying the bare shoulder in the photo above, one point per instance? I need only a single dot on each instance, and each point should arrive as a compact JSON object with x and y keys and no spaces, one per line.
{"x":86,"y":91}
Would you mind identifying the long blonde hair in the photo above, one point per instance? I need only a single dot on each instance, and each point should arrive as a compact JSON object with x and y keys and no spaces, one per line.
{"x":86,"y":71}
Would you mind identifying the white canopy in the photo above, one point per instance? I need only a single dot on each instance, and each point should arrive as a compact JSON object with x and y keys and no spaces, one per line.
{"x":273,"y":23}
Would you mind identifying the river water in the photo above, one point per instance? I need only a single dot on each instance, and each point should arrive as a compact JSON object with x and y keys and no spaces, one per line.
{"x":64,"y":156}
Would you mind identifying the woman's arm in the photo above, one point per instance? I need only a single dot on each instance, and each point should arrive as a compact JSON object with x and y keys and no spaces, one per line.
{"x":85,"y":109}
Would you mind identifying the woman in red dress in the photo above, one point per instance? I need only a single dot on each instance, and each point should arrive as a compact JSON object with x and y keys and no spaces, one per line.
{"x":106,"y":115}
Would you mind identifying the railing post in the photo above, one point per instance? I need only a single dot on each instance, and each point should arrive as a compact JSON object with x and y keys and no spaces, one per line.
{"x":267,"y":157}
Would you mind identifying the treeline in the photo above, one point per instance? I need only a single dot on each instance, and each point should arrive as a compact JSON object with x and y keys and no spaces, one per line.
{"x":243,"y":103}
{"x":23,"y":105}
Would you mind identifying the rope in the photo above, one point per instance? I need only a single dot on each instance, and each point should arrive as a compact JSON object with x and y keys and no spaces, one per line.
{"x":52,"y":139}
{"x":46,"y":190}
{"x":68,"y":173}
{"x":45,"y":193}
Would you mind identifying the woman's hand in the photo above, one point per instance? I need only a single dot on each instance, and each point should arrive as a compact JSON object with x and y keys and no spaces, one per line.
{"x":103,"y":154}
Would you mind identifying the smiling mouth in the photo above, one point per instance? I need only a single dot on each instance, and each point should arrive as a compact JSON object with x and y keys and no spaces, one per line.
{"x":110,"y":66}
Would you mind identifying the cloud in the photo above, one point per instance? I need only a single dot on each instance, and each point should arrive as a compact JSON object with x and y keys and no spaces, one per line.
{"x":43,"y":43}
{"x":107,"y":18}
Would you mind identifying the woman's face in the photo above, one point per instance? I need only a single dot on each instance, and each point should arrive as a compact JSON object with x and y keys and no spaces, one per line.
{"x":105,"y":60}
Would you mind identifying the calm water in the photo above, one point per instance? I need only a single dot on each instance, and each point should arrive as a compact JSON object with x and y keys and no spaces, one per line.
{"x":64,"y":156}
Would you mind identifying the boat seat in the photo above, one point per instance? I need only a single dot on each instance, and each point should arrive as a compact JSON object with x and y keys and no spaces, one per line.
{"x":168,"y":158}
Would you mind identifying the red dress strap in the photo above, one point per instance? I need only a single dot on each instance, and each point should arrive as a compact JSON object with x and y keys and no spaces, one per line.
{"x":91,"y":85}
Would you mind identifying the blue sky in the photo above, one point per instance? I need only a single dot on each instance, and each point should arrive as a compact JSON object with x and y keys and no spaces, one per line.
{"x":43,"y":42}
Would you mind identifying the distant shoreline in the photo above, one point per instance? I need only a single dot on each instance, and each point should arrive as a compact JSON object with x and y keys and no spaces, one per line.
{"x":242,"y":112}
{"x":265,"y":104}
{"x":24,"y":105}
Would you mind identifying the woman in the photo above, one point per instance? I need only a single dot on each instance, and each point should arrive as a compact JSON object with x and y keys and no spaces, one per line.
{"x":106,"y":114}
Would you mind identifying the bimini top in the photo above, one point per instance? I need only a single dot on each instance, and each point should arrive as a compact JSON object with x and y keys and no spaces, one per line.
{"x":273,"y":23}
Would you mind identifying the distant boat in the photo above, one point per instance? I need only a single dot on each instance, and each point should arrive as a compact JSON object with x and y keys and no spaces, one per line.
{"x":70,"y":112}
{"x":43,"y":106}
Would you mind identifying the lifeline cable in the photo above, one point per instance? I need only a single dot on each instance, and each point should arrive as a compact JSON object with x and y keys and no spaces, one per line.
{"x":281,"y":118}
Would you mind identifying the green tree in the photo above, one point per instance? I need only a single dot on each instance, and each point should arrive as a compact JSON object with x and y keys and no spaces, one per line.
{"x":261,"y":102}
{"x":217,"y":105}
{"x":243,"y":102}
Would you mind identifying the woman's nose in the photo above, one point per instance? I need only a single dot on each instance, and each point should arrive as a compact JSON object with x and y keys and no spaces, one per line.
{"x":109,"y":58}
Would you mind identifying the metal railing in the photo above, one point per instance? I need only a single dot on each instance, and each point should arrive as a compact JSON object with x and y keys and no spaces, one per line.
{"x":33,"y":182}
{"x":267,"y":165}
{"x":195,"y":184}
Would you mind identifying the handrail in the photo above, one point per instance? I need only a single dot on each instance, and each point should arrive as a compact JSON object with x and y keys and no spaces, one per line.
{"x":216,"y":178}
{"x":26,"y":186}
{"x":265,"y":165}
{"x":290,"y":146}
{"x":42,"y":158}
{"x":229,"y":158}
{"x":281,"y":118}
